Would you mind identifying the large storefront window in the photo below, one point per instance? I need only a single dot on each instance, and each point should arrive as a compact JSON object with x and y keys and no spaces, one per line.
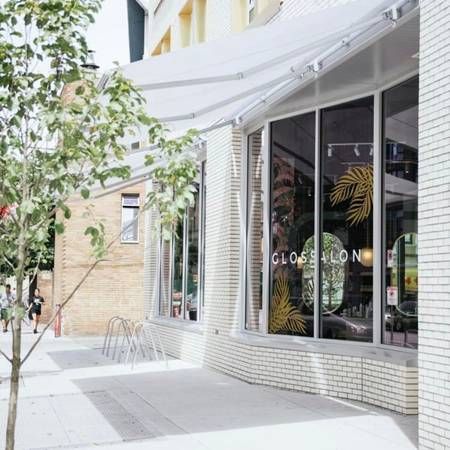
{"x":292,"y":215}
{"x":254,"y":288}
{"x":347,"y":221}
{"x":400,"y":120}
{"x":322,"y":174}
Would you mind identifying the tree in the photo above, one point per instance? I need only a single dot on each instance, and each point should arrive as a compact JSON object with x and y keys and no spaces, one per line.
{"x":54,"y":145}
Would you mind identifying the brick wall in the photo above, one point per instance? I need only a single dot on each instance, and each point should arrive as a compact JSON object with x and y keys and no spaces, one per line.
{"x":434,"y":226}
{"x":222,"y":239}
{"x":392,"y":386}
{"x":151,"y":259}
{"x":115,"y":287}
{"x":45,"y":284}
{"x":218,"y":18}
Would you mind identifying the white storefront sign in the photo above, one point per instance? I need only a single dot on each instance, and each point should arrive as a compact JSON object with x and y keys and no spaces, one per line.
{"x":392,"y":295}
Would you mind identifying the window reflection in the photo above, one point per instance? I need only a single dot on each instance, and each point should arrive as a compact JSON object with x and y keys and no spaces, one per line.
{"x":192,"y":282}
{"x":181,"y":277}
{"x":292,"y":212}
{"x":177,"y":272}
{"x":346,"y":244}
{"x":164,"y":278}
{"x":400,"y":110}
{"x":333,"y":273}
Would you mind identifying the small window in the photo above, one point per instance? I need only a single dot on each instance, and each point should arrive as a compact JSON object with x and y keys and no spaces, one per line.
{"x":130,"y":221}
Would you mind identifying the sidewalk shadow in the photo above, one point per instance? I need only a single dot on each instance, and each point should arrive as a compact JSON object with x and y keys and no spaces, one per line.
{"x":164,"y":403}
{"x":80,"y":359}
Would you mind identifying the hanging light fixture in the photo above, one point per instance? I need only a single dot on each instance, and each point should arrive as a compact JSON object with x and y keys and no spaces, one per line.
{"x":356,"y":150}
{"x":330,"y":150}
{"x":367,"y":257}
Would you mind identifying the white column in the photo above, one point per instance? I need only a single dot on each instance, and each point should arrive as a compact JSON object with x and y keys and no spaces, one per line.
{"x":434,"y":226}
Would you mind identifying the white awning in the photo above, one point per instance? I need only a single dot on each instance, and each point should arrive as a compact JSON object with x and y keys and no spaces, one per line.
{"x":222,"y":80}
{"x":237,"y":78}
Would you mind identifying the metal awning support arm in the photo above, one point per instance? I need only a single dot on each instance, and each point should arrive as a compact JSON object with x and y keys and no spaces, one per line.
{"x":393,"y":14}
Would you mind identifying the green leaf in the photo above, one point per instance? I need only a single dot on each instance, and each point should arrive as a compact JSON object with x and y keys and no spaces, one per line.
{"x":85,"y":193}
{"x":59,"y":227}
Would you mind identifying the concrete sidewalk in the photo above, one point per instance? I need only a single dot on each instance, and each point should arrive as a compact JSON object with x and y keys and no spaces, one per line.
{"x":74,"y":397}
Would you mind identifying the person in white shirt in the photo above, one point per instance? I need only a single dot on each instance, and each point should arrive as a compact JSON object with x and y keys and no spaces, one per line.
{"x":6,"y":301}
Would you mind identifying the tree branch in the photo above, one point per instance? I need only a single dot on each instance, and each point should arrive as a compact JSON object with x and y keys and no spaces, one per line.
{"x":55,"y":314}
{"x":5,"y":356}
{"x":79,"y":284}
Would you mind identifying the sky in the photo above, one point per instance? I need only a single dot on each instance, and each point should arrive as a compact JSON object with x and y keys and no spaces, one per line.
{"x":108,"y":37}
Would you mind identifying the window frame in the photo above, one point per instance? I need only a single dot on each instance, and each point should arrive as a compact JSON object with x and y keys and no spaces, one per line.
{"x":122,"y":208}
{"x":382,"y":205}
{"x":378,"y":202}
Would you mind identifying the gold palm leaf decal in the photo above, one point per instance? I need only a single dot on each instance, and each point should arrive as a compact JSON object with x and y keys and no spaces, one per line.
{"x":283,"y":315}
{"x":357,"y":186}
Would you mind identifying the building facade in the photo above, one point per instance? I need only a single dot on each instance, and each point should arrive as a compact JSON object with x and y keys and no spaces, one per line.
{"x":314,"y":257}
{"x":237,"y":292}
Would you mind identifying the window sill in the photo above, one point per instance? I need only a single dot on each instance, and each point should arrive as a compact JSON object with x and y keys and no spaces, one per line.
{"x":397,"y":356}
{"x":185,"y":325}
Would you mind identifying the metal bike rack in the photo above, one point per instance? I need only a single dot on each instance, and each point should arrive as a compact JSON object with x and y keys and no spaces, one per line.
{"x":152,"y":340}
{"x":146,"y":340}
{"x":135,"y":345}
{"x":109,"y":333}
{"x":129,"y":328}
{"x":124,"y":331}
{"x":135,"y":338}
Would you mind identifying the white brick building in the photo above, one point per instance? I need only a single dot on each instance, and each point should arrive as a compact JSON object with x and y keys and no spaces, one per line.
{"x":315,"y":256}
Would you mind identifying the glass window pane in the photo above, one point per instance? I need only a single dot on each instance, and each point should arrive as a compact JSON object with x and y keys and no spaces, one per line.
{"x":130,"y":224}
{"x":347,"y":221}
{"x":253,"y":313}
{"x":177,"y":272}
{"x":400,"y":111}
{"x":292,"y":212}
{"x":192,"y":284}
{"x":164,"y":278}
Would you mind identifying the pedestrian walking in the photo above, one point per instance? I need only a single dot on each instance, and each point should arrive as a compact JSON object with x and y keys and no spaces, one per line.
{"x":6,"y":301}
{"x":35,"y":308}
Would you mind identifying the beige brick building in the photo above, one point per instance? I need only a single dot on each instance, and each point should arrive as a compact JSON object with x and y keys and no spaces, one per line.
{"x":115,"y":287}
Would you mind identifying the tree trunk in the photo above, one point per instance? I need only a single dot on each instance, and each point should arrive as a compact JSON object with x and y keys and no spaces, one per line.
{"x":16,"y":327}
{"x":14,"y":387}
